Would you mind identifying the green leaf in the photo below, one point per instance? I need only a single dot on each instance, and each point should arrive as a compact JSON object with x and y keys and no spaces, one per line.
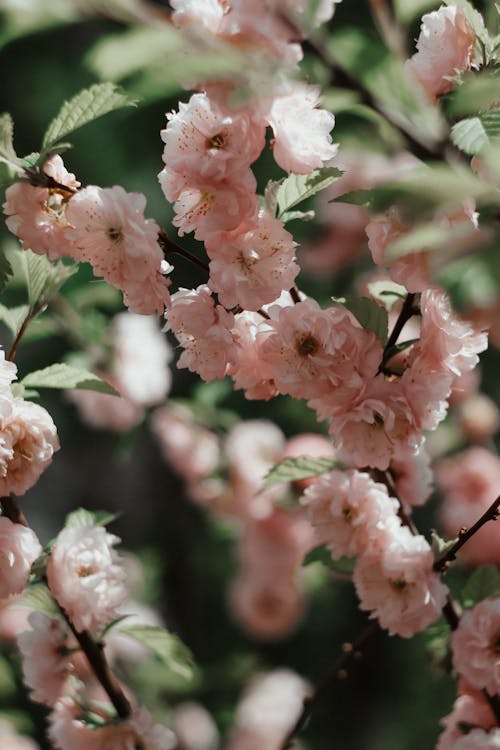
{"x":474,"y":134}
{"x":112,"y":625}
{"x":7,"y":152}
{"x":43,"y":278}
{"x":38,"y":597}
{"x":300,"y":467}
{"x":344,"y":566}
{"x":407,"y":10}
{"x":86,"y":107}
{"x":478,"y":91}
{"x":483,"y":583}
{"x":300,"y":215}
{"x":13,"y":317}
{"x":439,"y":545}
{"x":167,"y":646}
{"x":473,"y":16}
{"x":83,"y":517}
{"x":298,"y":187}
{"x":387,"y":292}
{"x":19,"y":391}
{"x":369,"y":314}
{"x":67,"y":376}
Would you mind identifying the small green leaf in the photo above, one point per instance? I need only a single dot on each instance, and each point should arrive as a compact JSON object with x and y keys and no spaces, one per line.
{"x":439,"y":545}
{"x":167,"y":646}
{"x":469,"y":135}
{"x":66,"y":376}
{"x":300,"y":215}
{"x":43,"y":278}
{"x":113,"y":624}
{"x":85,"y":107}
{"x":483,"y":583}
{"x":19,"y":391}
{"x":13,"y":317}
{"x":344,"y":566}
{"x":83,"y":517}
{"x":297,"y":187}
{"x":38,"y":597}
{"x":300,"y":467}
{"x":369,"y":314}
{"x":7,"y":152}
{"x":387,"y":292}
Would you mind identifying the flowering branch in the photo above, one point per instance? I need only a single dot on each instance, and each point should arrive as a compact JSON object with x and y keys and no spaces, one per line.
{"x":465,"y":534}
{"x":168,"y":246}
{"x":351,"y":652}
{"x":407,"y":311}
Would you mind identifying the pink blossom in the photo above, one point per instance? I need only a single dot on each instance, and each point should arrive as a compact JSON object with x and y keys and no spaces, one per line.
{"x":341,"y":240}
{"x":252,"y":268}
{"x":46,"y":661}
{"x":469,"y":481}
{"x":68,"y":730}
{"x":109,"y":231}
{"x":323,"y":10}
{"x":302,"y":140}
{"x":141,"y":358}
{"x":8,"y":373}
{"x":203,"y":330}
{"x":308,"y":444}
{"x":85,"y":576}
{"x":446,"y":341}
{"x":247,"y":368}
{"x":479,"y":418}
{"x":397,"y":584}
{"x":266,"y":608}
{"x":55,"y":168}
{"x":205,"y":140}
{"x":103,"y":411}
{"x":470,"y":709}
{"x":30,"y":437}
{"x":275,"y":546}
{"x":426,"y":388}
{"x":19,"y":548}
{"x":475,"y":646}
{"x":445,"y":47}
{"x":310,"y":350}
{"x":270,"y":706}
{"x":191,"y":450}
{"x":477,"y":739}
{"x":11,"y":740}
{"x":205,"y":205}
{"x":13,"y":618}
{"x":348,"y":510}
{"x":194,"y":727}
{"x":412,"y":476}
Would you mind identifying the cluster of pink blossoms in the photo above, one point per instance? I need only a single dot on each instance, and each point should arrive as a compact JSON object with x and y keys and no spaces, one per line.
{"x":102,"y":226}
{"x":355,"y":517}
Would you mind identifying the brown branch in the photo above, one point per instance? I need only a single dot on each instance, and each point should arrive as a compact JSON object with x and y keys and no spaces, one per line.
{"x":12,"y":353}
{"x":294,"y":294}
{"x":406,"y":312}
{"x":168,"y":246}
{"x":464,"y":535}
{"x":351,"y":652}
{"x":12,"y":511}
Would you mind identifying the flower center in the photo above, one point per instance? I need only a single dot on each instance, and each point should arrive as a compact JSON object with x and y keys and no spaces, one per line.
{"x":307,"y":345}
{"x":399,"y":584}
{"x":115,"y":234}
{"x":216,"y":141}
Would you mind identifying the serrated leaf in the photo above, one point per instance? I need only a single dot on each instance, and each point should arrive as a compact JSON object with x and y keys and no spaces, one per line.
{"x":298,"y":187}
{"x":299,"y":467}
{"x":167,"y":646}
{"x":39,"y":598}
{"x":85,"y":107}
{"x":300,"y":215}
{"x":67,"y":376}
{"x":7,"y":151}
{"x":369,"y":314}
{"x":14,"y":317}
{"x":483,"y":583}
{"x":84,"y":517}
{"x":474,"y":134}
{"x":43,"y":278}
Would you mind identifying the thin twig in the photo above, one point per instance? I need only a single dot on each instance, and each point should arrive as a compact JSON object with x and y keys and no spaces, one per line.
{"x":490,"y":515}
{"x":19,"y":335}
{"x":295,"y":295}
{"x":351,"y":652}
{"x":406,"y":312}
{"x":168,"y":246}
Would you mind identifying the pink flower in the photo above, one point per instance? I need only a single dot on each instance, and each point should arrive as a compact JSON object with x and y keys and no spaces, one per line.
{"x":11,"y":740}
{"x":103,"y":411}
{"x":141,"y":357}
{"x":204,"y":331}
{"x":470,"y":709}
{"x":247,"y":368}
{"x":302,"y":140}
{"x":412,"y":476}
{"x":8,"y":373}
{"x":270,"y":706}
{"x":110,"y":232}
{"x":470,"y":482}
{"x":207,"y":206}
{"x":205,"y":140}
{"x":46,"y":661}
{"x":85,"y":577}
{"x":477,"y":739}
{"x":194,"y":727}
{"x":68,"y":730}
{"x":445,"y":47}
{"x":19,"y":548}
{"x":251,"y":268}
{"x":310,"y":351}
{"x":476,"y":646}
{"x":30,"y":437}
{"x":446,"y":341}
{"x":37,"y":215}
{"x":191,"y":450}
{"x":397,"y":584}
{"x":308,"y":444}
{"x":348,"y":510}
